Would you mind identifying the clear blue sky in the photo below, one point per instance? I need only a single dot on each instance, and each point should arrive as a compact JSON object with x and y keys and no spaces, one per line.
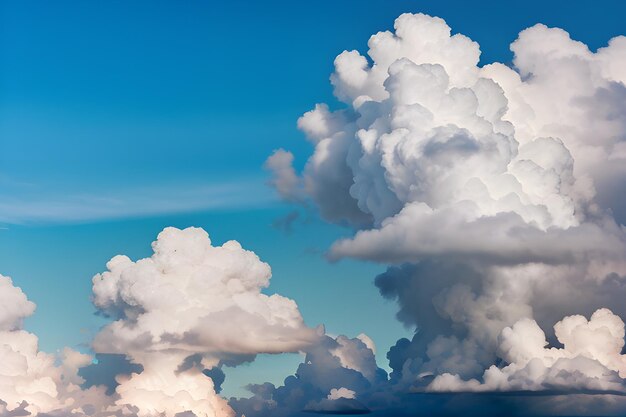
{"x":119,"y":118}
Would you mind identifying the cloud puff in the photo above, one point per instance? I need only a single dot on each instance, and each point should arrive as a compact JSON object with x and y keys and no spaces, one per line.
{"x":342,"y":392}
{"x":460,"y":313}
{"x":15,"y":305}
{"x":284,"y":177}
{"x":179,"y":298}
{"x":340,"y":401}
{"x":189,"y":307}
{"x":178,"y":316}
{"x":434,"y":153}
{"x":31,"y":381}
{"x":590,"y":359}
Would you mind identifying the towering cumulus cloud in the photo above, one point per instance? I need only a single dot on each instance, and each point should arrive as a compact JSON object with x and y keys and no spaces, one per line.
{"x":497,"y":192}
{"x":188,"y":308}
{"x":177,"y":318}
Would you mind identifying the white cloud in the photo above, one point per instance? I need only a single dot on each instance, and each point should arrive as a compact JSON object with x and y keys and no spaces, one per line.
{"x":191,"y":306}
{"x":342,"y":392}
{"x":14,"y":306}
{"x":188,"y":307}
{"x":590,"y":359}
{"x":503,"y":186}
{"x":430,"y":141}
{"x":32,"y":381}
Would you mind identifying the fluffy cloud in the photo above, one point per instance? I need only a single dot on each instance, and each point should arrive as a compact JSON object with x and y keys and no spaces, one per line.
{"x":337,"y":393}
{"x":178,"y":316}
{"x":434,"y":152}
{"x":590,"y":359}
{"x":180,"y":297}
{"x":437,"y":152}
{"x":499,"y":190}
{"x":31,"y":381}
{"x":15,"y":305}
{"x":500,"y":187}
{"x":191,"y":306}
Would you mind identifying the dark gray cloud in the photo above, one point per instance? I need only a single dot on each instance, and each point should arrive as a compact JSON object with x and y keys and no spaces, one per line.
{"x":325,"y":367}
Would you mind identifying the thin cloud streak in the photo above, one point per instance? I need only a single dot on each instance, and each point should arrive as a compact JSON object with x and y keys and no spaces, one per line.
{"x":37,"y":207}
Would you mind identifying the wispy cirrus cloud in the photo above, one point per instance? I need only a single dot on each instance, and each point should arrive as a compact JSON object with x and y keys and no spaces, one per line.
{"x":27,"y":203}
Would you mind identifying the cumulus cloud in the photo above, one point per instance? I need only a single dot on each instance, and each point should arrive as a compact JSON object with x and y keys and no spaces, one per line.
{"x":31,"y":381}
{"x":177,"y":318}
{"x":342,"y":392}
{"x":434,"y":151}
{"x":432,"y":145}
{"x":496,"y":190}
{"x":179,"y":297}
{"x":191,"y":306}
{"x":334,"y":375}
{"x":15,"y":305}
{"x":590,"y":359}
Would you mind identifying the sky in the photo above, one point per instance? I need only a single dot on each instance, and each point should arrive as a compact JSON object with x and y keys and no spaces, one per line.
{"x":119,"y":119}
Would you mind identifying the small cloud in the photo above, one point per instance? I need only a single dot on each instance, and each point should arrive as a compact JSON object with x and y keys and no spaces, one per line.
{"x":285,"y":223}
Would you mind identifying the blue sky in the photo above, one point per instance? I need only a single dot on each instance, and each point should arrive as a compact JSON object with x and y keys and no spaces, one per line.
{"x":120,"y":118}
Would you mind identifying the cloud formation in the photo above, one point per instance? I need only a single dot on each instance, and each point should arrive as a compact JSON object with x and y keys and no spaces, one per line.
{"x":497,"y":194}
{"x":590,"y":359}
{"x":191,"y":306}
{"x":178,"y":316}
{"x":497,"y":191}
{"x":331,"y":379}
{"x":34,"y":382}
{"x":437,"y":152}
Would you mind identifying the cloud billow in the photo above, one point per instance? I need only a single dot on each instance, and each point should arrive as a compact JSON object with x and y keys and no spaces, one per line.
{"x":497,"y":193}
{"x":33,"y":382}
{"x":191,"y":306}
{"x":177,"y":317}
